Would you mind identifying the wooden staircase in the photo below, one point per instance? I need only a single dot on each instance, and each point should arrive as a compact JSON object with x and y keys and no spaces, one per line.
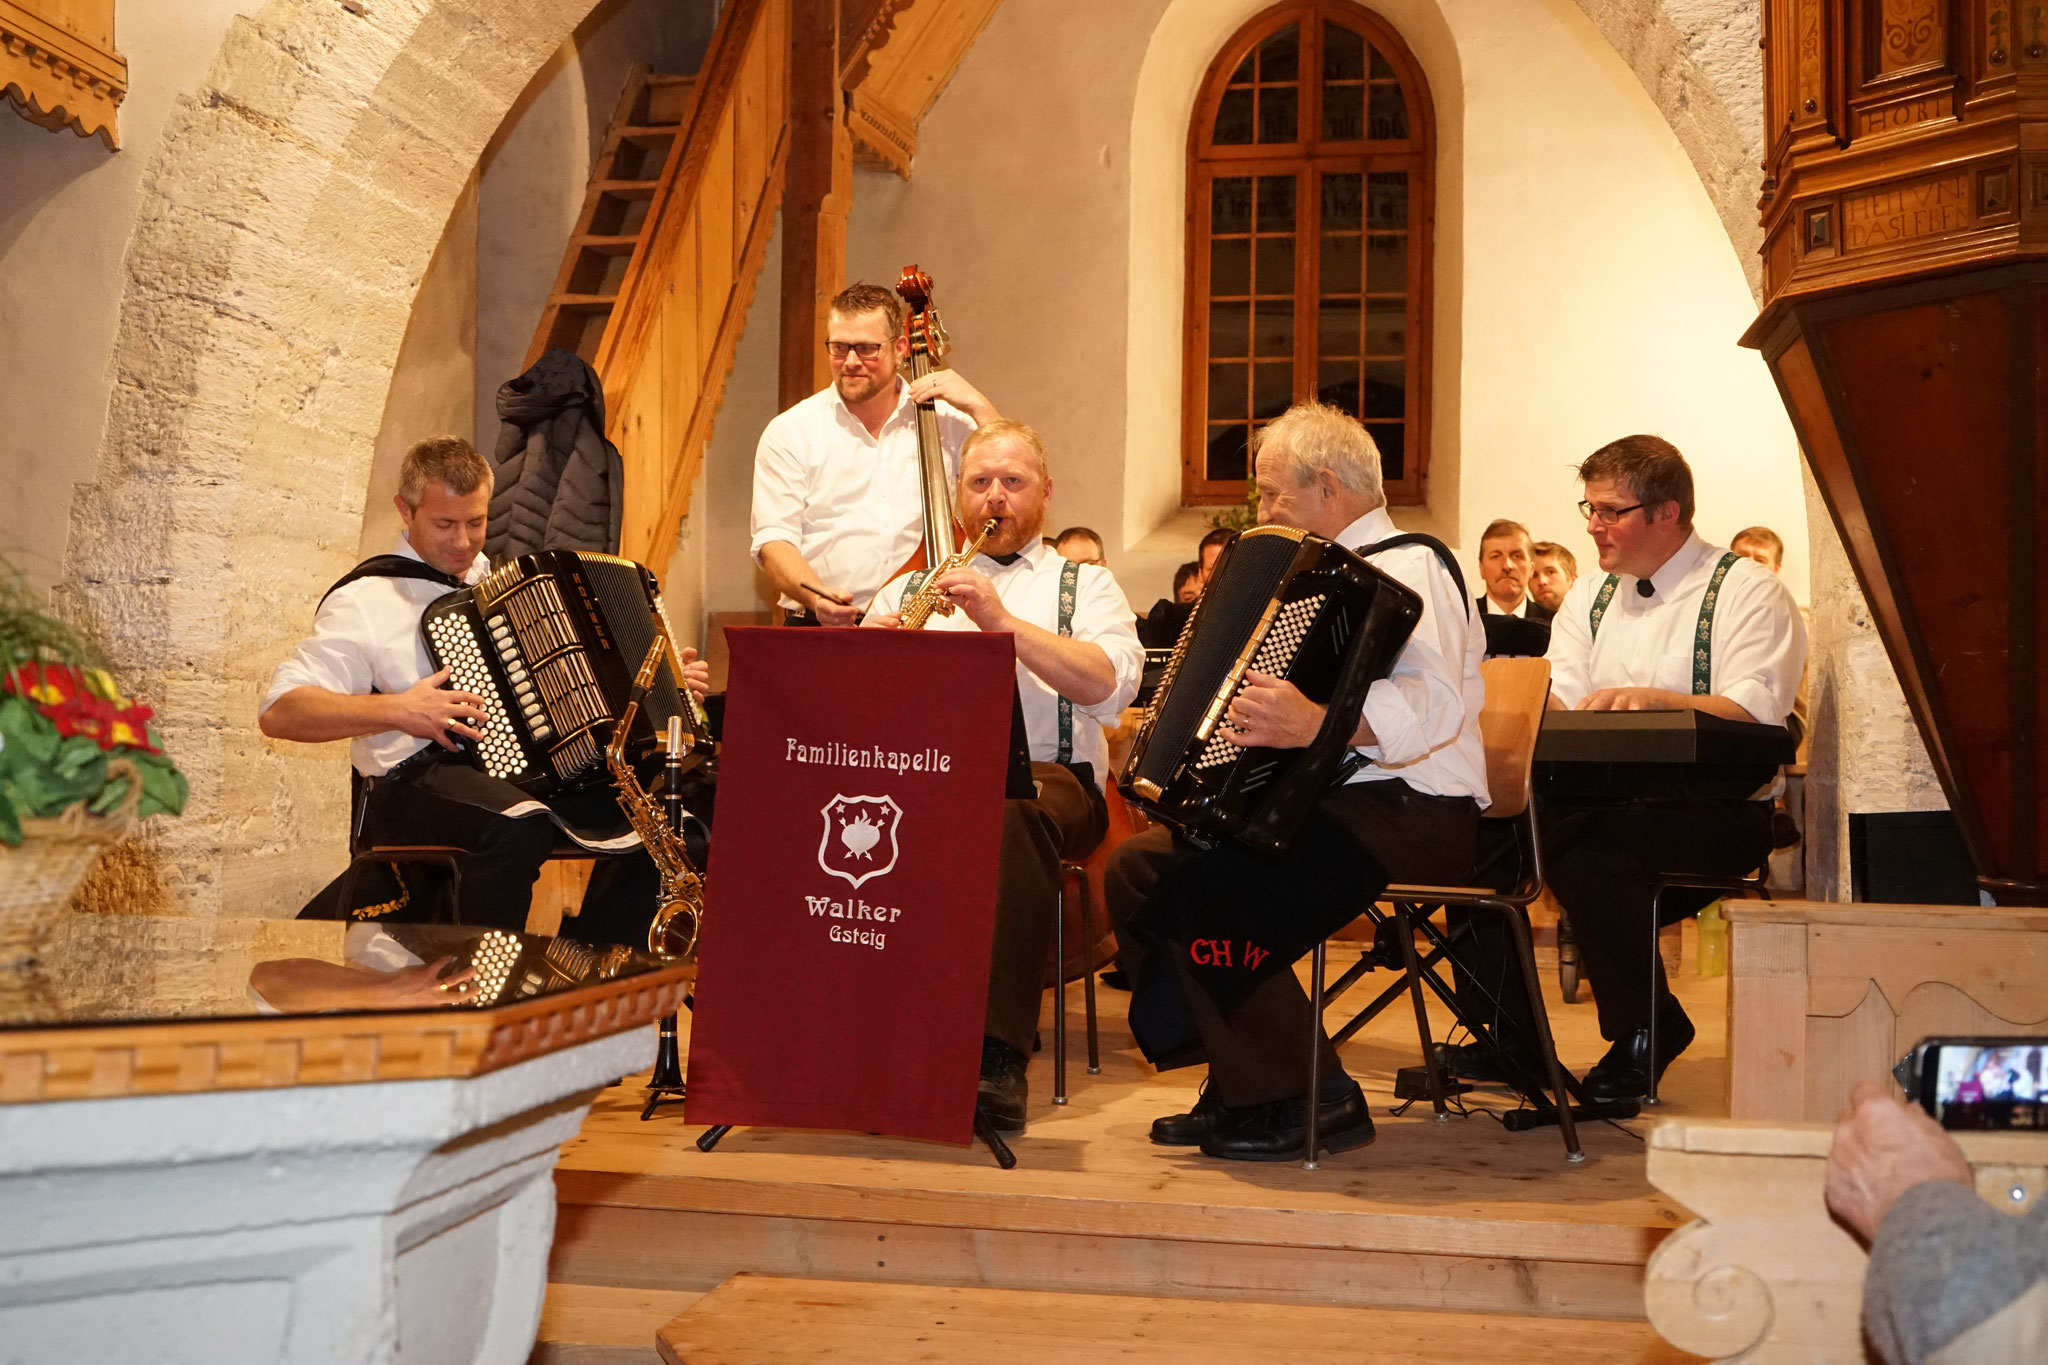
{"x":655,"y":283}
{"x":641,"y":142}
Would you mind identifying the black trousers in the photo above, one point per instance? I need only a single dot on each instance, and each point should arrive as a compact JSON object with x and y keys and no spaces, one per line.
{"x":1603,"y":863}
{"x":1362,"y":836}
{"x":504,"y":856}
{"x":1065,"y":821}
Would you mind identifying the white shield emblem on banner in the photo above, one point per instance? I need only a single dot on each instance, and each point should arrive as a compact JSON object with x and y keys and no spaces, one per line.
{"x":859,"y":842}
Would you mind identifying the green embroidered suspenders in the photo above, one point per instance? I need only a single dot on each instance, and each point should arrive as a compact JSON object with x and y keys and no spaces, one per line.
{"x":1070,"y":576}
{"x":1703,"y":633}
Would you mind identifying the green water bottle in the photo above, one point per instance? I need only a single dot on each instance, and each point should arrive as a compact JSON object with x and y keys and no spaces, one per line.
{"x":1713,"y":941}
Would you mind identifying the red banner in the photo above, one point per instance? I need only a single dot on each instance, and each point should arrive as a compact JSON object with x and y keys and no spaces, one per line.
{"x":850,"y":900}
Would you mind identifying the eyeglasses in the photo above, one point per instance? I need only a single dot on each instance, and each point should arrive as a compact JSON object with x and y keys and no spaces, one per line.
{"x":866,"y":350}
{"x":1607,"y":516}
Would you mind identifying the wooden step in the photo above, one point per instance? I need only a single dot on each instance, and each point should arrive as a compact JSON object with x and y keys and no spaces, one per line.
{"x":752,"y":1318}
{"x":668,"y":98}
{"x":583,"y":1324}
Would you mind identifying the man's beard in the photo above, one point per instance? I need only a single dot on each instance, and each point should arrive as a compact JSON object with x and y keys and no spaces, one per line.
{"x":1010,"y":535}
{"x":859,"y":390}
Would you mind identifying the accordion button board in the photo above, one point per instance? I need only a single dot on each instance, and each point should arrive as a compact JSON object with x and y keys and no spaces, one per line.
{"x":535,"y":639}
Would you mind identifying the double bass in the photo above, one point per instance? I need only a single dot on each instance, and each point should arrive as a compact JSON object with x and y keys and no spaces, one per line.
{"x":928,"y":346}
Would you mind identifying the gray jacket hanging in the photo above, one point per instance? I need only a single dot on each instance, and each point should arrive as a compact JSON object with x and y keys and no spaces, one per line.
{"x":560,"y":483}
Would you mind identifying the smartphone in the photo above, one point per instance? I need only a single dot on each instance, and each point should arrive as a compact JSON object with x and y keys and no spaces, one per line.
{"x":1981,"y":1083}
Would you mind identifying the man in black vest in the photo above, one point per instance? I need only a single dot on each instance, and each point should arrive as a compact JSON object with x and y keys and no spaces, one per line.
{"x":363,"y":676}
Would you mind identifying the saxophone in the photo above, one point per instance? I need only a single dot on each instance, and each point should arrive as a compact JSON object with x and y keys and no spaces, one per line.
{"x":672,"y":934}
{"x":920,"y":606}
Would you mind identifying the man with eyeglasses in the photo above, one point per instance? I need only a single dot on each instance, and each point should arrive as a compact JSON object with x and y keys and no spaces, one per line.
{"x":1673,"y":623}
{"x":837,"y":490}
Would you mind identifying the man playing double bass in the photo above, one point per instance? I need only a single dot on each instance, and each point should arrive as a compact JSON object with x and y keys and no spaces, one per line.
{"x":1078,"y":661}
{"x":837,"y":491}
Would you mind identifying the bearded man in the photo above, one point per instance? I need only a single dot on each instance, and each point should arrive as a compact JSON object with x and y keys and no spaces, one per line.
{"x":838,"y":494}
{"x":1078,"y":662}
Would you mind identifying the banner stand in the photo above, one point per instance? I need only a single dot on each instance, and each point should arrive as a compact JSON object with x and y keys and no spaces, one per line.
{"x":853,"y":883}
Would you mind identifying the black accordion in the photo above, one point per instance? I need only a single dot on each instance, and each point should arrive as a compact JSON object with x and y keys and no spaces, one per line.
{"x":1299,"y":608}
{"x":552,"y":641}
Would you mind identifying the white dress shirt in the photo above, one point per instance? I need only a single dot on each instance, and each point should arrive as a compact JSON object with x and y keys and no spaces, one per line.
{"x":852,"y":503}
{"x":1758,"y":643}
{"x":366,"y":638}
{"x":1030,"y":588}
{"x":1488,"y":604}
{"x":1425,"y":713}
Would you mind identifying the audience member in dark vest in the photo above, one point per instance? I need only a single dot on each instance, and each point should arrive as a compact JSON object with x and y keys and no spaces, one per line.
{"x":363,"y":676}
{"x":1208,"y":936}
{"x":1516,"y":626}
{"x":1673,"y":623}
{"x":1078,"y":661}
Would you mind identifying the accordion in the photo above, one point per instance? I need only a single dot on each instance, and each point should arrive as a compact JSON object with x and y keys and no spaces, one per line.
{"x":1293,"y":606}
{"x":552,"y":641}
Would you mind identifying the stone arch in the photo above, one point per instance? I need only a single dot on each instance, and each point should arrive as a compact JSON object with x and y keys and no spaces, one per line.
{"x":287,"y":217}
{"x":1699,"y":60}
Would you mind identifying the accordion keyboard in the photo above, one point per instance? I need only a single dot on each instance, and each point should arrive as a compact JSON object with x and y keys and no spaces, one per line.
{"x":456,"y":644}
{"x":1273,"y":657}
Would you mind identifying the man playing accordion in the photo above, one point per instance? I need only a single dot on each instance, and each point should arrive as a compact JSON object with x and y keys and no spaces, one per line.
{"x":1209,"y":936}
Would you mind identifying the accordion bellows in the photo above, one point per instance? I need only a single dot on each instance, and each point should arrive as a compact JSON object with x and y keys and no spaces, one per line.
{"x":552,"y":641}
{"x":1292,"y":605}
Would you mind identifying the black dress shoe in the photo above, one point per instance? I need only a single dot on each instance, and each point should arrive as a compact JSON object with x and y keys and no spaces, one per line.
{"x":1624,"y":1073}
{"x":1279,"y":1132}
{"x":1115,"y":979}
{"x":1188,"y":1130}
{"x":1001,"y":1093}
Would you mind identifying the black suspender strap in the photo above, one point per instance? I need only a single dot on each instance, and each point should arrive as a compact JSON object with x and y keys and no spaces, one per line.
{"x":394,"y":566}
{"x":1437,"y":547}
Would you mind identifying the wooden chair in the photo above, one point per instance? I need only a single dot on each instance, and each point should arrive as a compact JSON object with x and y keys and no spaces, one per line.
{"x":1516,"y":691}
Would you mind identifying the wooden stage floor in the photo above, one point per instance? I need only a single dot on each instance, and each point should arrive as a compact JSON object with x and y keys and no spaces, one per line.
{"x":1461,"y":1215}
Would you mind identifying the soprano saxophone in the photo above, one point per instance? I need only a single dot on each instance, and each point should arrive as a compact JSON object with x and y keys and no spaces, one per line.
{"x":919,"y":607}
{"x":672,"y":934}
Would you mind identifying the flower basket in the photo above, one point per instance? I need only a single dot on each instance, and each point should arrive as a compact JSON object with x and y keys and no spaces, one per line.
{"x":38,"y":876}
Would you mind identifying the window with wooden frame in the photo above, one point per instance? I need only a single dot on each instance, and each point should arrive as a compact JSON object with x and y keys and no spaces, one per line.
{"x":1311,"y":202}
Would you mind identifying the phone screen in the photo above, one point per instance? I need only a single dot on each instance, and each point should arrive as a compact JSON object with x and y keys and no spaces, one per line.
{"x":1977,"y":1086}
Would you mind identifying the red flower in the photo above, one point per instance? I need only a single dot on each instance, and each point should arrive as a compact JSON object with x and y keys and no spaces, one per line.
{"x":84,"y":702}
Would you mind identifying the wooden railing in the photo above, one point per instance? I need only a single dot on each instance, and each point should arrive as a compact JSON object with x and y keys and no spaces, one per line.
{"x":668,"y":348}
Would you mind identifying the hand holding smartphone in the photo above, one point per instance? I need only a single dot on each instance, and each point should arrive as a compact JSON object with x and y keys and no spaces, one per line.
{"x":1975,"y":1084}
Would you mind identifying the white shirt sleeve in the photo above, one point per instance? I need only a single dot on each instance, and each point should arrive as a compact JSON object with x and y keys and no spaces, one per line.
{"x":1759,"y":645}
{"x":1571,"y":643}
{"x":334,"y":658}
{"x":1102,"y":617}
{"x":1420,"y":706}
{"x":781,"y":485}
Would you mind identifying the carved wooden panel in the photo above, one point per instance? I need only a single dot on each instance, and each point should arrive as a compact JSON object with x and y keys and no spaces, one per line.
{"x":58,"y":66}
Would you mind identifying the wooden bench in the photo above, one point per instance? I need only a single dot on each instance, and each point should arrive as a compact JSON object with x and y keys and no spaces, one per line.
{"x":1764,"y":1274}
{"x":1822,"y":996}
{"x":752,"y":1318}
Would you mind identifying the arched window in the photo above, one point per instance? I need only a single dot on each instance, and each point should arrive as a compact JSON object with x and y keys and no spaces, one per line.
{"x":1311,"y":200}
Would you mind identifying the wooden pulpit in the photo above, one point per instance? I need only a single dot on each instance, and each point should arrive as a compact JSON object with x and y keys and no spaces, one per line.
{"x":1905,"y":213}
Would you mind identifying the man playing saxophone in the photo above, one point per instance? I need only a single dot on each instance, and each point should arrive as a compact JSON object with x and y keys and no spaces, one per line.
{"x":1078,"y":661}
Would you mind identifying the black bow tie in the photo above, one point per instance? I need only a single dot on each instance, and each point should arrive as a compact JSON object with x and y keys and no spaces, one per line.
{"x":1645,"y":588}
{"x":1007,"y":560}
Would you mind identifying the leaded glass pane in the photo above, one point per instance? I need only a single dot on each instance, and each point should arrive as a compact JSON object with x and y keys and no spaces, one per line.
{"x":1386,"y":201}
{"x":1227,"y":392}
{"x":1343,"y":201}
{"x":1343,"y":54}
{"x":1276,"y":267}
{"x":1229,"y":456}
{"x":1386,"y":256}
{"x":1230,"y":266}
{"x":1343,"y":113}
{"x":1386,"y":391}
{"x":1272,"y":388}
{"x":1391,"y":438}
{"x":1279,"y":109}
{"x":1388,"y":118}
{"x":1386,"y":327}
{"x":1234,"y":119}
{"x":1273,"y":327}
{"x":1230,"y":326}
{"x":1280,"y":56}
{"x":1276,"y":203}
{"x":1337,"y":384}
{"x":1340,"y":264}
{"x":1230,"y":204}
{"x":1338,"y":335}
